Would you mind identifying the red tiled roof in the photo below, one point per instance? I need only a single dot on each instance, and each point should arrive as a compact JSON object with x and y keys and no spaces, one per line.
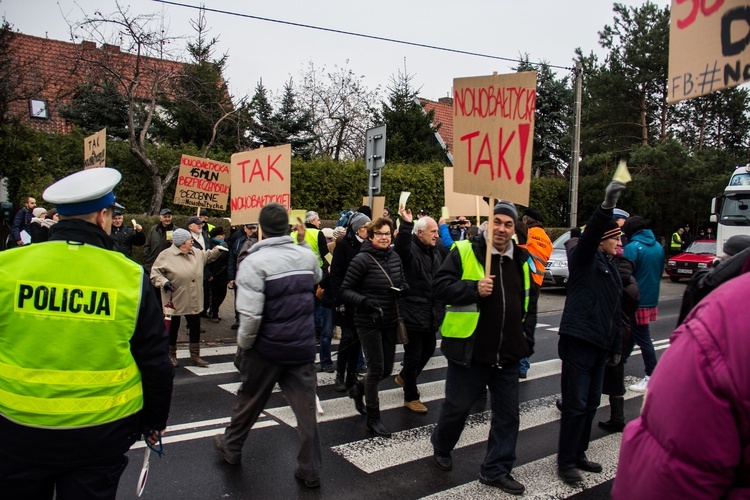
{"x":443,"y":116}
{"x":52,"y":69}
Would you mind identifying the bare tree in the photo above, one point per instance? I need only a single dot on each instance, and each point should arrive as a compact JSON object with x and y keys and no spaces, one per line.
{"x":134,"y":55}
{"x":342,"y":108}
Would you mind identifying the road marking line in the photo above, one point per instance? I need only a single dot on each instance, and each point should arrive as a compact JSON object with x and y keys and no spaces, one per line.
{"x":540,"y":477}
{"x":178,"y":438}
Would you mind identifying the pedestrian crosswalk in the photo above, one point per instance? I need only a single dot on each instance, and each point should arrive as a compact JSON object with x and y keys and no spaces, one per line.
{"x":374,"y":455}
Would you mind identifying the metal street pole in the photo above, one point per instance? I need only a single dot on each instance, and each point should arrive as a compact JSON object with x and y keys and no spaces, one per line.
{"x":576,"y":154}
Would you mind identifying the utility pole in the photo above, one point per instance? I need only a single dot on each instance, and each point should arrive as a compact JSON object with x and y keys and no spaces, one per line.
{"x":374,"y":159}
{"x":576,"y":155}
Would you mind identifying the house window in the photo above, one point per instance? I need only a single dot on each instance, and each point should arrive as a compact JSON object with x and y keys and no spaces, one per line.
{"x":38,"y":109}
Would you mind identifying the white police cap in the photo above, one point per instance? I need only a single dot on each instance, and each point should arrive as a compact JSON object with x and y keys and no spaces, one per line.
{"x":84,"y":192}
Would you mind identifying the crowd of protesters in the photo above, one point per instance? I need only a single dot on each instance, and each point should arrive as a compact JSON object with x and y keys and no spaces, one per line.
{"x":373,"y":273}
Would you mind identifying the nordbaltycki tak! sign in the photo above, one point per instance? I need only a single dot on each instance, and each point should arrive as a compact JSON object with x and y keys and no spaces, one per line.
{"x":260,"y":177}
{"x":493,"y":130}
{"x":202,"y":183}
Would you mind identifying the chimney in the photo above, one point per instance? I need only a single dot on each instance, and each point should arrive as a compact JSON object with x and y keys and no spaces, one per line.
{"x":86,"y":45}
{"x":112,"y":49}
{"x":446,"y":100}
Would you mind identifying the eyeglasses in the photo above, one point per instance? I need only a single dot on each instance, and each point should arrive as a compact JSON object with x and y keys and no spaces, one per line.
{"x":382,"y":235}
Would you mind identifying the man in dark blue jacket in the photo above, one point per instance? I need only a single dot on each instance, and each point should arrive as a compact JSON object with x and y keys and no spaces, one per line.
{"x":589,"y":333}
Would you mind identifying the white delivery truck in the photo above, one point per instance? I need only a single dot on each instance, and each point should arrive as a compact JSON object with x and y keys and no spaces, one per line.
{"x":732,"y":210}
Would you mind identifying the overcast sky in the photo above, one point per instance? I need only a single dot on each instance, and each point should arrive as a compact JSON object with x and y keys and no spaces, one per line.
{"x":548,"y":30}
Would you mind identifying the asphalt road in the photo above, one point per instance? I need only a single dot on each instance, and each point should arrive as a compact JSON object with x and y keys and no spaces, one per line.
{"x":356,"y":465}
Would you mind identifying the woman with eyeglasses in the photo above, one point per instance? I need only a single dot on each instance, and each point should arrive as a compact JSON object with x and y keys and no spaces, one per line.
{"x":372,"y":285}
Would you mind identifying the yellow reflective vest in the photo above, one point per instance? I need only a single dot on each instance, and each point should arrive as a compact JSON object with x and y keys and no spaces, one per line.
{"x":311,"y":237}
{"x":67,"y":313}
{"x":676,"y":242}
{"x":461,"y":321}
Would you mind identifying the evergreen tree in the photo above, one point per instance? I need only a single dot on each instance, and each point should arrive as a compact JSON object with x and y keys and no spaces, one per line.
{"x":260,"y":126}
{"x":553,"y":120}
{"x":410,"y":134}
{"x":294,"y":125}
{"x":95,"y":106}
{"x":201,"y":111}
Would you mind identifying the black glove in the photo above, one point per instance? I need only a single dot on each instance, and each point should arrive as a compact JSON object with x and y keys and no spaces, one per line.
{"x":612,"y":194}
{"x":614,"y":360}
{"x":168,"y":287}
{"x":373,"y":309}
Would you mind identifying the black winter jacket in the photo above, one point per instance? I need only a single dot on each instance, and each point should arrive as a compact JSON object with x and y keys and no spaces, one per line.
{"x":126,"y":237}
{"x":450,"y":288}
{"x":365,"y":281}
{"x":346,"y":248}
{"x":593,"y":305}
{"x":420,"y":309}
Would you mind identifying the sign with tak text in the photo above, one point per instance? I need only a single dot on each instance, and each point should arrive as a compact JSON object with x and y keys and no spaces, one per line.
{"x":202,"y":183}
{"x":95,"y":150}
{"x":260,"y":177}
{"x":493,"y":130}
{"x":459,"y":203}
{"x":708,"y":46}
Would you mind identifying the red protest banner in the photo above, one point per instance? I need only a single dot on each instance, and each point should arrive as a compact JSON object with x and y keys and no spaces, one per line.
{"x":260,"y":177}
{"x":493,"y":121}
{"x":202,"y":183}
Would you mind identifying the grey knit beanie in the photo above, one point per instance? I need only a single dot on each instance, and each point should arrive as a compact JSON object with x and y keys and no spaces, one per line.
{"x":507,"y":208}
{"x":180,"y":236}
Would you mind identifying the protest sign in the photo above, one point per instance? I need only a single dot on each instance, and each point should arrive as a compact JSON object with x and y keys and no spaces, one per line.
{"x":378,"y":205}
{"x":708,"y":46}
{"x":493,"y":121}
{"x":459,"y":203}
{"x":95,"y":150}
{"x":260,"y":177}
{"x":202,"y":183}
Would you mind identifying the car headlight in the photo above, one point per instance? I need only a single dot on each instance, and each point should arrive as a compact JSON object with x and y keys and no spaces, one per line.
{"x":671,"y":263}
{"x":702,"y":265}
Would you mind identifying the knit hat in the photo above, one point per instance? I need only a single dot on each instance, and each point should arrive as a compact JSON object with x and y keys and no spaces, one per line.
{"x":204,"y":212}
{"x":180,"y":236}
{"x":612,"y":230}
{"x":339,"y":231}
{"x":507,"y":208}
{"x":633,"y":225}
{"x":217,"y":231}
{"x":534,"y":214}
{"x":358,"y":220}
{"x":364,"y":209}
{"x":619,"y":213}
{"x":38,"y":212}
{"x":327,"y":232}
{"x":274,"y":220}
{"x":736,"y":244}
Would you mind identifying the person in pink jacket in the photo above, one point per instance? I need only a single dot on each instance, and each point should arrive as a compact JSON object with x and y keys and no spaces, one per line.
{"x":692,"y":439}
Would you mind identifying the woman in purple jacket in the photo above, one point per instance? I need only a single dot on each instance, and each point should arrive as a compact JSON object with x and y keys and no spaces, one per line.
{"x":692,"y":439}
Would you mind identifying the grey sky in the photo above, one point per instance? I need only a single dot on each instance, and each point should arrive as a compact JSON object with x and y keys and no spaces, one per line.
{"x":547,"y":30}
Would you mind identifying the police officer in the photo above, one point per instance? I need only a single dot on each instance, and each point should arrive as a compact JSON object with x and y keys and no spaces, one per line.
{"x":84,"y":370}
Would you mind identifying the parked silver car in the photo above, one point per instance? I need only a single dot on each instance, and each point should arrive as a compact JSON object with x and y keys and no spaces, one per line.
{"x":557,"y":266}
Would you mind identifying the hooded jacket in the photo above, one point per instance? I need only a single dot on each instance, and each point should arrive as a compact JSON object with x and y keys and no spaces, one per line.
{"x":648,"y":256}
{"x":692,"y":439}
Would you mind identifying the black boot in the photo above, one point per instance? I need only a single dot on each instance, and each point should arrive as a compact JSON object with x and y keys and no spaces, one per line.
{"x":338,"y":384}
{"x":374,"y":424}
{"x":357,"y":393}
{"x":616,"y":422}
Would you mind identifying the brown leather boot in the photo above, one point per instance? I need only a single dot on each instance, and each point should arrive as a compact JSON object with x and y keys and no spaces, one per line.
{"x":173,"y":355}
{"x":195,"y":355}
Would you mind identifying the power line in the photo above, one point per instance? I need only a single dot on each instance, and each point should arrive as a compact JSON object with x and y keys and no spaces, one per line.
{"x":360,"y":35}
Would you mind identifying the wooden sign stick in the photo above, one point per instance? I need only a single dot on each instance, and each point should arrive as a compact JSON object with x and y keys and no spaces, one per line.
{"x":489,"y":233}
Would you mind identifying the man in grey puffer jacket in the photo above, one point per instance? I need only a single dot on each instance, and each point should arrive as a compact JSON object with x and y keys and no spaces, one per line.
{"x":276,"y":339}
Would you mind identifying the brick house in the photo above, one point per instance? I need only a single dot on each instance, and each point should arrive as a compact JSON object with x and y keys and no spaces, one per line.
{"x":444,"y":117}
{"x":51,"y":71}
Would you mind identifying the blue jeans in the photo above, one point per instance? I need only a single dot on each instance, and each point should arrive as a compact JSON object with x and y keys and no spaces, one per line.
{"x":326,"y":334}
{"x":642,"y":338}
{"x":582,"y":378}
{"x":524,"y":365}
{"x":463,"y":386}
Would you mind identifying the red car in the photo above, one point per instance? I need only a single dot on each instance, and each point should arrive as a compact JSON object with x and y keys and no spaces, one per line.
{"x":699,"y":255}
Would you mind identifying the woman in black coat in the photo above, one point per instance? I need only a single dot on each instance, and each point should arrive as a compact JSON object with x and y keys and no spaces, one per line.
{"x":373,"y":282}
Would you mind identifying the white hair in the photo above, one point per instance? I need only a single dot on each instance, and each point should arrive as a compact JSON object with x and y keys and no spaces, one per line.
{"x":421,"y":224}
{"x":310,"y":216}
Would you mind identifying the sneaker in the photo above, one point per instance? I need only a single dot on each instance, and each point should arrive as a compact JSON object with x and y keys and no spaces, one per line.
{"x":220,"y":446}
{"x":310,"y":483}
{"x":640,"y":386}
{"x":362,"y":371}
{"x":416,"y":406}
{"x":505,"y":483}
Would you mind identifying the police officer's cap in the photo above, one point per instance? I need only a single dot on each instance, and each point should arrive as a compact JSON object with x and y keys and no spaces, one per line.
{"x":84,"y":192}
